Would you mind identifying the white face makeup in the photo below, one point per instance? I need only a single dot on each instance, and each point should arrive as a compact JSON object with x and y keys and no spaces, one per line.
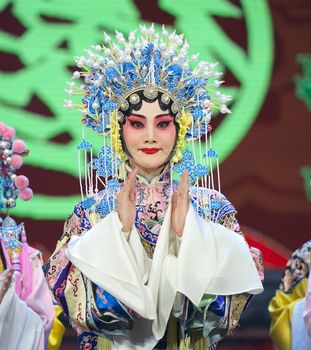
{"x":149,"y":135}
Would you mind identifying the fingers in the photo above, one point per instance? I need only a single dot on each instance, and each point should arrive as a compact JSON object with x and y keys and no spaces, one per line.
{"x":128,"y":192}
{"x":182,"y":190}
{"x":183,"y":186}
{"x":132,"y":194}
{"x":130,"y":183}
{"x":174,"y":199}
{"x":10,"y":275}
{"x":6,"y":284}
{"x":185,"y":179}
{"x":7,"y":275}
{"x":8,"y":278}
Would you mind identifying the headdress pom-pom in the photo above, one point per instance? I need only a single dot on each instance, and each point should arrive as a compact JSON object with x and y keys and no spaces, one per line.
{"x":17,"y":161}
{"x":3,"y":128}
{"x":19,"y":146}
{"x":9,"y":133}
{"x":21,"y":182}
{"x":25,"y":194}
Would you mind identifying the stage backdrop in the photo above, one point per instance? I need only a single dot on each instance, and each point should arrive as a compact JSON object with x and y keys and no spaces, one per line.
{"x":264,"y":144}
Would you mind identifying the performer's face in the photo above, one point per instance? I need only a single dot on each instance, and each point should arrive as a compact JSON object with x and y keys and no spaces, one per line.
{"x":149,"y":135}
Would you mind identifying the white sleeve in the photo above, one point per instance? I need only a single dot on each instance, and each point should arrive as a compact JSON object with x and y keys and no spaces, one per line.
{"x":300,"y":336}
{"x":126,"y":234}
{"x":20,"y":327}
{"x":214,"y":260}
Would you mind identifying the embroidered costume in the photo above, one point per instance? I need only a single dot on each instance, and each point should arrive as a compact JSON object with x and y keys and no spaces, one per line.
{"x":148,"y":287}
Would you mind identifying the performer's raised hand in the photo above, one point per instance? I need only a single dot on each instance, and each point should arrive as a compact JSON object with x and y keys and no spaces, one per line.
{"x":180,"y":204}
{"x":5,"y":283}
{"x":126,"y":201}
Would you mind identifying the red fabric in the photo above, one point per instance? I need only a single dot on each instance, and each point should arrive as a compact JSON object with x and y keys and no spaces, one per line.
{"x":274,"y":253}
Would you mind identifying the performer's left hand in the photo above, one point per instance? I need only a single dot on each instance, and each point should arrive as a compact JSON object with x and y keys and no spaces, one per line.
{"x":5,"y":283}
{"x":180,"y":204}
{"x":126,"y":201}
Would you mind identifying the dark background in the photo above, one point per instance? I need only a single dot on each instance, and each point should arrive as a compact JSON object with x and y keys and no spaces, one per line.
{"x":262,"y":177}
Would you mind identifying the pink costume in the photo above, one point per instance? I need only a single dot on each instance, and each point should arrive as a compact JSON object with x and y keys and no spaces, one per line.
{"x":26,"y":311}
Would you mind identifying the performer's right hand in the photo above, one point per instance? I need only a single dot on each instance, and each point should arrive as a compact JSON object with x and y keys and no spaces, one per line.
{"x":126,"y":201}
{"x":5,"y":283}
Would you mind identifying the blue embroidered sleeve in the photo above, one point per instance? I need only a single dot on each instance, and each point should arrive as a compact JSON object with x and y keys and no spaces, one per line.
{"x":213,"y":205}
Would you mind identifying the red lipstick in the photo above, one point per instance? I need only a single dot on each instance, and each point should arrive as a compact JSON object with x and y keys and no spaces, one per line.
{"x":150,"y":150}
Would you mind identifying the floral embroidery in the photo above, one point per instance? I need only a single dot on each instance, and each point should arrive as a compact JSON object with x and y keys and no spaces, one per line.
{"x":79,"y":315}
{"x":87,"y":341}
{"x":100,"y":295}
{"x":73,"y":282}
{"x":61,"y":289}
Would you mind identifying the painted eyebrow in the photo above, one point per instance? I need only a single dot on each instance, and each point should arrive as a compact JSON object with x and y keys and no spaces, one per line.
{"x":157,"y":116}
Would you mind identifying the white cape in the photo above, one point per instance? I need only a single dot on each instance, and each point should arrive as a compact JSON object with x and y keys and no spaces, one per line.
{"x":211,"y":259}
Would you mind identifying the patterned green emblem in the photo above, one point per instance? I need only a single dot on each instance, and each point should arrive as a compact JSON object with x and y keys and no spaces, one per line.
{"x":57,"y":31}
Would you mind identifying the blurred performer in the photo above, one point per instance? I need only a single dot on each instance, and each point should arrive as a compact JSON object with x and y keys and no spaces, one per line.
{"x":307,"y":306}
{"x":290,"y":309}
{"x":150,"y":261}
{"x":26,"y":309}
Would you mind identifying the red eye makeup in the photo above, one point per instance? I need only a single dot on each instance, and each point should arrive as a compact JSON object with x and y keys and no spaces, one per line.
{"x":137,"y":122}
{"x":163,"y":121}
{"x":140,"y":121}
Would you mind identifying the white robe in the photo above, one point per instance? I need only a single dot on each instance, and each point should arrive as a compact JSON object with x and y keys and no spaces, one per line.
{"x":300,"y":337}
{"x":209,"y":259}
{"x":20,"y":327}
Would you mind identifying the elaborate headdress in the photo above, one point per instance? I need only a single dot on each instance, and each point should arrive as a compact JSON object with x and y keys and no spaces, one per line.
{"x":11,"y":185}
{"x":13,"y":241}
{"x":11,"y":153}
{"x":158,"y":65}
